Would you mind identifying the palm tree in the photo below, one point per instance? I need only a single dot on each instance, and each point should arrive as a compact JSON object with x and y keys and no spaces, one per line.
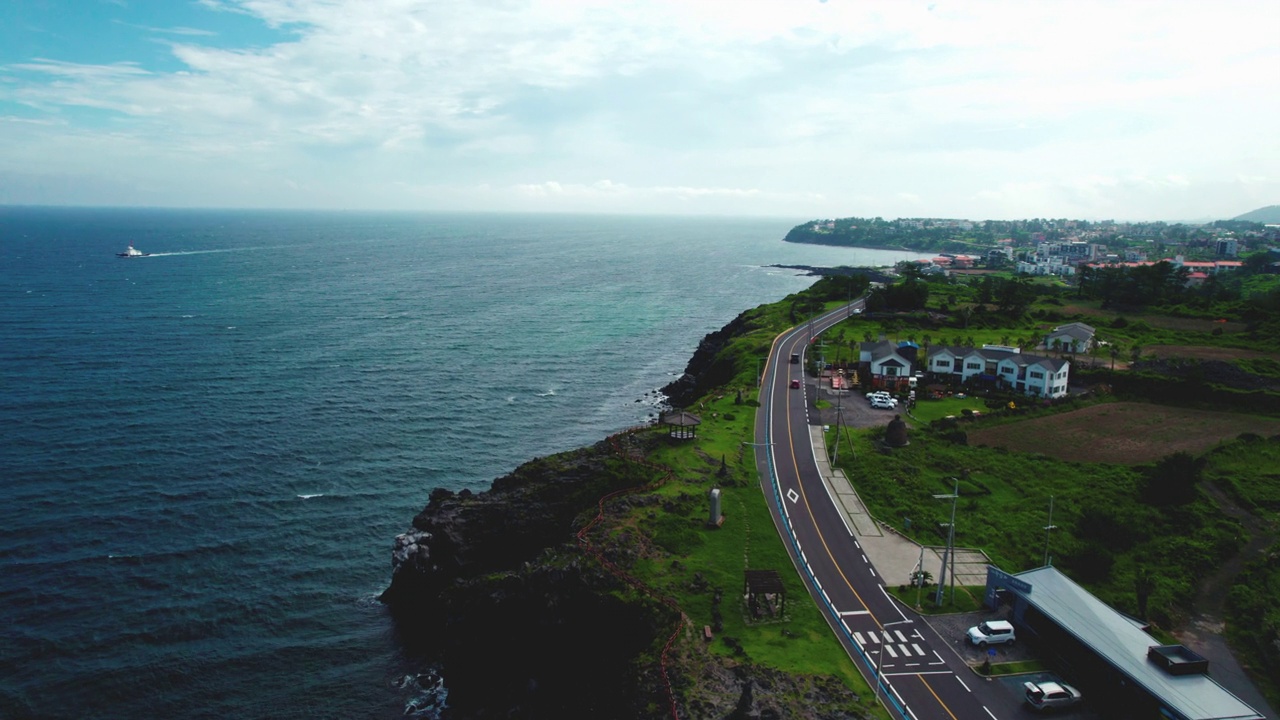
{"x":1115,"y":352}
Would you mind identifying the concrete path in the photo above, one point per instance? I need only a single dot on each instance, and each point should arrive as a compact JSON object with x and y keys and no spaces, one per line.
{"x":893,"y":556}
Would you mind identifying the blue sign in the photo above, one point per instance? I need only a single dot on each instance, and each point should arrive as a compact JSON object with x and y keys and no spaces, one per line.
{"x":996,"y":576}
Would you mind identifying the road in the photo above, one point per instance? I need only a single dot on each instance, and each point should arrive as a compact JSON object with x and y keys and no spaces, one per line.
{"x":915,"y":672}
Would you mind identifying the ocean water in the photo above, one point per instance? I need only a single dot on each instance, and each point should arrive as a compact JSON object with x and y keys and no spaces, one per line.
{"x":206,"y":453}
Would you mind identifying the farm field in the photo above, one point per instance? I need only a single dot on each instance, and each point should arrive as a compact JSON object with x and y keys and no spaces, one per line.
{"x":1123,"y":433}
{"x":1203,"y":352}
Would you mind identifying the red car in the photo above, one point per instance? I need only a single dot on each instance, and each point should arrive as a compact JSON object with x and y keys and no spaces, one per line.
{"x":795,"y":384}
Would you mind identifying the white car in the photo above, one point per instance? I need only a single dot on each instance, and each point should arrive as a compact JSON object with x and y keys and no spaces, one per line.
{"x":1047,"y":696}
{"x":883,"y":404}
{"x":883,"y":397}
{"x":991,"y":632}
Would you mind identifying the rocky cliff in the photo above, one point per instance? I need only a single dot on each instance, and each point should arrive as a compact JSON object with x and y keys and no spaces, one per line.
{"x":494,"y":589}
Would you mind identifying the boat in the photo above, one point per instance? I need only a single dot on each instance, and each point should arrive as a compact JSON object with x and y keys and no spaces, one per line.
{"x":132,"y":252}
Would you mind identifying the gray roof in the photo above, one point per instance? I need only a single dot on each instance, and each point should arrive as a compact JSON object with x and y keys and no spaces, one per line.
{"x":1076,"y":330}
{"x":879,"y":350}
{"x":1053,"y":365}
{"x":1121,"y":642}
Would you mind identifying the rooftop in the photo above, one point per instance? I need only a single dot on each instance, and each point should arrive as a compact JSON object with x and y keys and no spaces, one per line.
{"x":1121,"y":641}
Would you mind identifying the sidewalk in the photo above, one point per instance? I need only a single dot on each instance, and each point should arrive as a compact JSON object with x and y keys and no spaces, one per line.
{"x":893,"y":556}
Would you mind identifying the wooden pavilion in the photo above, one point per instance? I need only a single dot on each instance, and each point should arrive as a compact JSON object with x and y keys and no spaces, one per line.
{"x":765,"y":594}
{"x":680,"y":424}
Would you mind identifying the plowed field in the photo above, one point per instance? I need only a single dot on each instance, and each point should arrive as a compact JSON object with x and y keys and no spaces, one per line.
{"x":1123,"y":433}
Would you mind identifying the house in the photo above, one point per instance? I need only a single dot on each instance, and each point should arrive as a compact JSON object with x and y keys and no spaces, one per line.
{"x":1001,"y":367}
{"x":886,"y":364}
{"x":1073,"y":337}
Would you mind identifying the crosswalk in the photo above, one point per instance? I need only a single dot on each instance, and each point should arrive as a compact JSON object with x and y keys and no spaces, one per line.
{"x":894,"y":647}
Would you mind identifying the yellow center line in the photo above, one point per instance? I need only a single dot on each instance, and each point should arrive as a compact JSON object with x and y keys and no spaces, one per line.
{"x":935,"y":697}
{"x":821,"y":537}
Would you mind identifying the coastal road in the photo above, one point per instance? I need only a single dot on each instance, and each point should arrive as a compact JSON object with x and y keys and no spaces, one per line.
{"x":915,"y":672}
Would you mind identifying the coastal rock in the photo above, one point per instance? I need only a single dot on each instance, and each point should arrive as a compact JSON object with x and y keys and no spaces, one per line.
{"x":704,"y":370}
{"x":411,"y":551}
{"x":491,"y":585}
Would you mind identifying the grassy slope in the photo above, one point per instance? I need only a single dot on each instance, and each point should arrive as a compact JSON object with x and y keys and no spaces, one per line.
{"x":686,"y":560}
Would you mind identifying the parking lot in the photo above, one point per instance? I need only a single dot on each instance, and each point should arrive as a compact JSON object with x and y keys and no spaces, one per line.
{"x":952,"y":628}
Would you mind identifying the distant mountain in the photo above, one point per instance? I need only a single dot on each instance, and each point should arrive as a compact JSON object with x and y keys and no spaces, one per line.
{"x":1268,"y":215}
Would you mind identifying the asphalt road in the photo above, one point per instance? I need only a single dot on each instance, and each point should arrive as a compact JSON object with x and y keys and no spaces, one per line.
{"x":917,"y":674}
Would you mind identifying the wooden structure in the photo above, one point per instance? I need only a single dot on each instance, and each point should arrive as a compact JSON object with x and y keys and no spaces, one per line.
{"x":680,"y":424}
{"x":766,"y":597}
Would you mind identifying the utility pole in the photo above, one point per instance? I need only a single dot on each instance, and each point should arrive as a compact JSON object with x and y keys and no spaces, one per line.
{"x":880,"y":660}
{"x":920,"y":577}
{"x":951,"y":538}
{"x":1048,"y":529}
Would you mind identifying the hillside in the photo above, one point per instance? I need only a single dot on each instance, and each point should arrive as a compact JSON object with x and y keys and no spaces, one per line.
{"x":1268,"y":215}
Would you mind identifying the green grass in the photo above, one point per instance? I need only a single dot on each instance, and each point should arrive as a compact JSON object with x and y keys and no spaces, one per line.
{"x":1016,"y":668}
{"x":963,"y":600}
{"x":927,"y":411}
{"x":694,"y":560}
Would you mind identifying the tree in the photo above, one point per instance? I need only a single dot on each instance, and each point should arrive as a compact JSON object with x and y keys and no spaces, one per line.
{"x":1173,"y":480}
{"x":1143,"y":585}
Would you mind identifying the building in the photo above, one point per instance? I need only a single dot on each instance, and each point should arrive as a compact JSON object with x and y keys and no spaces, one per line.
{"x":1073,"y":337}
{"x":887,"y":365}
{"x":1002,"y":368}
{"x":1108,"y":655}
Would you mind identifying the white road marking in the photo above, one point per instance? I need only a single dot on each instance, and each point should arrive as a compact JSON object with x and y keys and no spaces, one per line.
{"x":918,"y":650}
{"x":792,"y":495}
{"x":889,"y":649}
{"x":993,"y":717}
{"x":847,"y":613}
{"x":966,"y":687}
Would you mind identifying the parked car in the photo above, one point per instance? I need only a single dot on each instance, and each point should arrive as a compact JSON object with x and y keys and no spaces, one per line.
{"x":795,"y":384}
{"x":883,"y":397}
{"x":991,"y":632}
{"x":883,"y":404}
{"x":1047,"y":696}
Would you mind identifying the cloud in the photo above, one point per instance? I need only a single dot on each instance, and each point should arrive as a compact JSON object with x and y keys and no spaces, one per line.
{"x":792,"y":107}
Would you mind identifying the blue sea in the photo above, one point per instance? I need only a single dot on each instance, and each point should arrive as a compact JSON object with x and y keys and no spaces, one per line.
{"x":205,"y":454}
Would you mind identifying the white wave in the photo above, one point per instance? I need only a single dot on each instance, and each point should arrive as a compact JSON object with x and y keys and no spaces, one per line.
{"x":308,"y":497}
{"x":511,"y":398}
{"x":549,"y":393}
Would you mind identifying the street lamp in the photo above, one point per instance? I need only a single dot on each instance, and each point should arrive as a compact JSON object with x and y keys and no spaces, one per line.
{"x":880,"y":657}
{"x":951,"y":538}
{"x":1048,"y":529}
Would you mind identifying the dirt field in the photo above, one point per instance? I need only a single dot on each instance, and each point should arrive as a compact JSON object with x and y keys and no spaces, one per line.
{"x":1123,"y":433}
{"x":1161,"y":321}
{"x":1202,"y":352}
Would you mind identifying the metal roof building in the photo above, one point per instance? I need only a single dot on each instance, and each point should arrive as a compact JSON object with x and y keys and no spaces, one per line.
{"x":1081,"y":629}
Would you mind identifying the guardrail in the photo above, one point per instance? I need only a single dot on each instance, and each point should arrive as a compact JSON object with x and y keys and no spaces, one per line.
{"x":799,"y":558}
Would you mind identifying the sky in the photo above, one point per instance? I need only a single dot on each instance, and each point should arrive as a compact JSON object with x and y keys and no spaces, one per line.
{"x":800,"y":109}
